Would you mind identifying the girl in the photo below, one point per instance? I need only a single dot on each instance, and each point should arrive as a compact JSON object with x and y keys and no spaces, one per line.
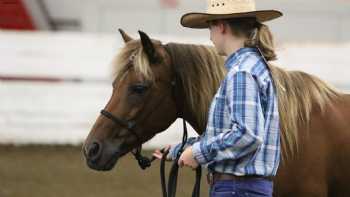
{"x":241,"y":143}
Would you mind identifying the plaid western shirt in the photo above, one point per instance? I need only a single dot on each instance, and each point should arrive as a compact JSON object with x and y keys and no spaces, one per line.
{"x":242,"y":134}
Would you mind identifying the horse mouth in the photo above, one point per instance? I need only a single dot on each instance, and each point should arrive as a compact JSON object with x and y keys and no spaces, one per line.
{"x":108,"y":165}
{"x":106,"y":159}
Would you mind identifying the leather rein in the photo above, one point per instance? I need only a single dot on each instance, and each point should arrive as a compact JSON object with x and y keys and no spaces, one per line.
{"x":168,"y":189}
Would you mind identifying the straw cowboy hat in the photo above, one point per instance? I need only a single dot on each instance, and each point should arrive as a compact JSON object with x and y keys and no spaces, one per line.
{"x":224,"y":9}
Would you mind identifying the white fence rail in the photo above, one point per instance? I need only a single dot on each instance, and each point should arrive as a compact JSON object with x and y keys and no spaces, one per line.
{"x":63,"y":113}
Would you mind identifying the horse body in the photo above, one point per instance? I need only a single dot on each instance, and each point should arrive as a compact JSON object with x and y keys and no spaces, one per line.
{"x":337,"y":129}
{"x":321,"y":167}
{"x":315,"y":118}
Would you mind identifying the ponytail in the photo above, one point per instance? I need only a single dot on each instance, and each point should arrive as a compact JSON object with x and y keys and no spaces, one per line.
{"x":257,"y":34}
{"x":263,"y":40}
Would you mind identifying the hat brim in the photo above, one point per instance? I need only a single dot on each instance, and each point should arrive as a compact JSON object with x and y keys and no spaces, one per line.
{"x":200,"y":20}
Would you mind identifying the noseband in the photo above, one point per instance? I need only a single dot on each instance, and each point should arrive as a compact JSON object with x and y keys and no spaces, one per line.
{"x":128,"y":124}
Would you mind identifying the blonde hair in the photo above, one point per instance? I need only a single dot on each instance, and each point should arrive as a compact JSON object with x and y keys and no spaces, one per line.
{"x":257,"y":34}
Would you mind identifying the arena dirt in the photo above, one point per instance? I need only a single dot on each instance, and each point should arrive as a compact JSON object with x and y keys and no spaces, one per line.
{"x":60,"y":171}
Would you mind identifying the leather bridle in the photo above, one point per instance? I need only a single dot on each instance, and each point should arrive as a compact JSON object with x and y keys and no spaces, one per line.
{"x":130,"y":125}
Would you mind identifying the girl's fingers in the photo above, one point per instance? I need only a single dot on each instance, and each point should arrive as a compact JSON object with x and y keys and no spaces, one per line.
{"x":158,"y":157}
{"x":180,"y":162}
{"x":167,"y":147}
{"x":159,"y":153}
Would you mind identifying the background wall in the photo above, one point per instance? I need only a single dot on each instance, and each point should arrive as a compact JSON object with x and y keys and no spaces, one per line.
{"x":63,"y":112}
{"x":56,"y":77}
{"x":78,"y":38}
{"x":303,"y":21}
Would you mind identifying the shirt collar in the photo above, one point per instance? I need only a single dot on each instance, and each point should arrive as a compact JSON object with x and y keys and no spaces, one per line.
{"x":237,"y":56}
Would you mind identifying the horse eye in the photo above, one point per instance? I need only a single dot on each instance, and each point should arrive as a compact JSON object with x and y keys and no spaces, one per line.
{"x":138,"y":89}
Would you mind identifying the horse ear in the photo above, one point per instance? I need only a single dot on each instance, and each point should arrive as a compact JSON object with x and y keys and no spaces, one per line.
{"x":148,"y":47}
{"x":125,"y":36}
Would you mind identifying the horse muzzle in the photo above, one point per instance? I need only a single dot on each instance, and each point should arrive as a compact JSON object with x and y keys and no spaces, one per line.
{"x":101,"y":156}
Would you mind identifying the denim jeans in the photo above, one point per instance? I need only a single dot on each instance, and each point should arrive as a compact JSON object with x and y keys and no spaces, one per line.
{"x":255,"y":187}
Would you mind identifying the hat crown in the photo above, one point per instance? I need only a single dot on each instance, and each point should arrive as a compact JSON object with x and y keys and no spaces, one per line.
{"x":230,"y":6}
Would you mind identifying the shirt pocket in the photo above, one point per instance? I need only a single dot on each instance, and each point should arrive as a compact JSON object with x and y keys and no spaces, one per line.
{"x":219,"y":107}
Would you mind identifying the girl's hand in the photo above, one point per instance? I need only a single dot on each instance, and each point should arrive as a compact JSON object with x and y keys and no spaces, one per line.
{"x":186,"y":159}
{"x":158,"y":154}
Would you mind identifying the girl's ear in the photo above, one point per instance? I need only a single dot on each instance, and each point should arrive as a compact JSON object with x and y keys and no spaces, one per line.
{"x":222,"y":27}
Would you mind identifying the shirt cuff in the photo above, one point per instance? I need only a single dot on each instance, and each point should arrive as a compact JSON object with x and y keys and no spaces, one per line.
{"x":172,"y":154}
{"x":198,"y":154}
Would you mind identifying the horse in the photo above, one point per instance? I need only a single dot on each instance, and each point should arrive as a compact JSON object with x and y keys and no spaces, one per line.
{"x":157,"y":83}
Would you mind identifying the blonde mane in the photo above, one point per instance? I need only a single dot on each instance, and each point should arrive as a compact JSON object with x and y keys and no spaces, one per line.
{"x":299,"y":93}
{"x":201,"y":70}
{"x":132,"y":53}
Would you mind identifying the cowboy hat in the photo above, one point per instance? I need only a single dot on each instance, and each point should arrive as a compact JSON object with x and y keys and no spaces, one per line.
{"x":226,"y":9}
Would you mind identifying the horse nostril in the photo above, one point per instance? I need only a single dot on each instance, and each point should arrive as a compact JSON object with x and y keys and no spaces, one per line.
{"x":94,"y":150}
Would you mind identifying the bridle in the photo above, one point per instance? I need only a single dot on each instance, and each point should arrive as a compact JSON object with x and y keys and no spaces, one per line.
{"x":169,"y":190}
{"x":130,"y":125}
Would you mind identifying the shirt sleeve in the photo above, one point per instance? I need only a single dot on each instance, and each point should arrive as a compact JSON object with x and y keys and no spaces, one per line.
{"x":243,"y":101}
{"x":173,"y":151}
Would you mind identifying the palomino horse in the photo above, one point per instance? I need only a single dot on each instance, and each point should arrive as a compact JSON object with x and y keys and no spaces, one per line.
{"x":315,"y":118}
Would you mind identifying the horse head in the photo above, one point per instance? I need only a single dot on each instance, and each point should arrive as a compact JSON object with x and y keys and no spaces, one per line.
{"x":142,"y":103}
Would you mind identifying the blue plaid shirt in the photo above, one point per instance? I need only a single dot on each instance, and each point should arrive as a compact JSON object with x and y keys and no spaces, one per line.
{"x":242,"y":134}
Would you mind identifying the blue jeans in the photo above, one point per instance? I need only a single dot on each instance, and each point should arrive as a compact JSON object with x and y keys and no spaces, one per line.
{"x":255,"y":187}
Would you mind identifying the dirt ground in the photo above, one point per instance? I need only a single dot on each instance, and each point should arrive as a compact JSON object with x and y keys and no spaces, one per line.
{"x":50,"y":171}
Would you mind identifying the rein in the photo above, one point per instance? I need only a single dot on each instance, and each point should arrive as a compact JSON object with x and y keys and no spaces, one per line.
{"x":168,"y":189}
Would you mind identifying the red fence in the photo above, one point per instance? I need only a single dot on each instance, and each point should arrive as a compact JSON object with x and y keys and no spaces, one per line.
{"x":14,"y":15}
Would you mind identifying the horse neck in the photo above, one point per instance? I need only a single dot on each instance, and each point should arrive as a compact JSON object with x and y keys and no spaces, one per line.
{"x":189,"y":116}
{"x":185,"y":112}
{"x":195,"y":61}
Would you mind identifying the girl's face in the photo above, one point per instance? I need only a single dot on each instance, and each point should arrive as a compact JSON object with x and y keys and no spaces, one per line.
{"x":223,"y":39}
{"x":217,"y":36}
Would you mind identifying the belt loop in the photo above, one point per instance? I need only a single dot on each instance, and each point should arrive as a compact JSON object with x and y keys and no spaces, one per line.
{"x":210,"y":178}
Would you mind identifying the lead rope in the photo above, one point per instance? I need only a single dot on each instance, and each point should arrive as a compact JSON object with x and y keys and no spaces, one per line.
{"x":170,"y":189}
